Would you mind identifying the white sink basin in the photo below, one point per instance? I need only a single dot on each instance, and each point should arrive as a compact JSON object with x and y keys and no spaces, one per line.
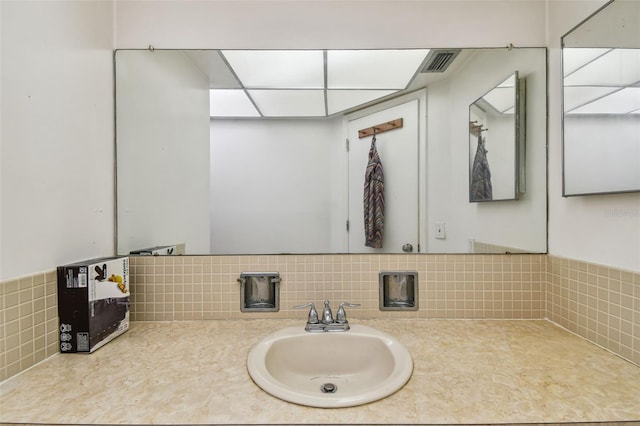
{"x":360,"y":365}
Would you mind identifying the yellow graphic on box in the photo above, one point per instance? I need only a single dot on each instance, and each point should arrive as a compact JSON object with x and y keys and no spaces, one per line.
{"x":118,"y":280}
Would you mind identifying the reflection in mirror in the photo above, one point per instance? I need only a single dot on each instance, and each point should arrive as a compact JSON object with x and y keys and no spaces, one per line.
{"x":601,"y":134}
{"x":495,"y":124}
{"x":309,"y":83}
{"x":265,"y":168}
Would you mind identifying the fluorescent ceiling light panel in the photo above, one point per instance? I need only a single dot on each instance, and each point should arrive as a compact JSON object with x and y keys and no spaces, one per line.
{"x":577,"y":96}
{"x":289,"y":103}
{"x":278,"y":69}
{"x":230,"y":103}
{"x":340,"y":100}
{"x":501,"y":98}
{"x":574,"y":58}
{"x":372,"y":69}
{"x":618,"y":67}
{"x":621,"y":102}
{"x":509,"y":82}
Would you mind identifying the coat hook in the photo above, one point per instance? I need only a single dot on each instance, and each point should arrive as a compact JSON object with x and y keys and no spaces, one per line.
{"x":151,"y":48}
{"x":510,"y":46}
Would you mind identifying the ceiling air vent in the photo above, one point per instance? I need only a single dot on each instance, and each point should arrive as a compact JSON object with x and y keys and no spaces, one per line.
{"x":438,"y":60}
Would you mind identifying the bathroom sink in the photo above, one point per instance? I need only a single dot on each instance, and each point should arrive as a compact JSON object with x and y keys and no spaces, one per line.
{"x":331,"y":369}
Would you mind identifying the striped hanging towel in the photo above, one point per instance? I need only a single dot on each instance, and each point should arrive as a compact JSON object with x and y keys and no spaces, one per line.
{"x":481,"y":189}
{"x":373,"y":199}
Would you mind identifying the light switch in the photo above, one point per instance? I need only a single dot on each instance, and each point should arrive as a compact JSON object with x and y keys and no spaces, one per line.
{"x":440,"y":230}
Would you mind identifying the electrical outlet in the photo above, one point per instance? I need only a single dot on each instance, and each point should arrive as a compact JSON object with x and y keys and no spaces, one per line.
{"x":440,"y":230}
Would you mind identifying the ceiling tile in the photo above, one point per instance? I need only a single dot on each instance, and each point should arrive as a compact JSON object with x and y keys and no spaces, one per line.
{"x":289,"y":103}
{"x":372,"y":69}
{"x":278,"y":69}
{"x":621,"y":102}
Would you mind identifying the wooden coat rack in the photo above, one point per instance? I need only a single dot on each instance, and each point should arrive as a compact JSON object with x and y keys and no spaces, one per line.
{"x":380,"y":128}
{"x":475,"y":128}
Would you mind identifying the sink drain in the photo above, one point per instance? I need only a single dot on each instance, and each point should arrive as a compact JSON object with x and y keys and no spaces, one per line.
{"x":328,"y":388}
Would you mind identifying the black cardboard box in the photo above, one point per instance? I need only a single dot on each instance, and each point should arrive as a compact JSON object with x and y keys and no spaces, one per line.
{"x":93,"y":303}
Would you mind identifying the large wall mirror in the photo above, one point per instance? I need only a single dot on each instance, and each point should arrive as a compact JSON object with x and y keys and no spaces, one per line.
{"x":263,"y":151}
{"x":601,"y":134}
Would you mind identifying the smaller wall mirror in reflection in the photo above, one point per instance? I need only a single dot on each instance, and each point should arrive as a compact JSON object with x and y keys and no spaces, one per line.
{"x":496,"y":142}
{"x":601,"y":96}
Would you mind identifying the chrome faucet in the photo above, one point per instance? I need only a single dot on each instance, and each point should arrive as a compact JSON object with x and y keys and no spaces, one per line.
{"x":328,"y":323}
{"x":327,"y":315}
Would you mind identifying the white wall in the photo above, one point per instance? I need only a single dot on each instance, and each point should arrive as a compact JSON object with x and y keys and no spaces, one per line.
{"x":72,"y":119}
{"x":57,"y":160}
{"x":275,"y":185}
{"x":603,"y":229}
{"x":162,"y":151}
{"x":343,"y":24}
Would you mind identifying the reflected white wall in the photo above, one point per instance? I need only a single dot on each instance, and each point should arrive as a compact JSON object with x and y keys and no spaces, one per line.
{"x":162,"y":151}
{"x":602,"y":153}
{"x":275,"y":186}
{"x":517,"y":224}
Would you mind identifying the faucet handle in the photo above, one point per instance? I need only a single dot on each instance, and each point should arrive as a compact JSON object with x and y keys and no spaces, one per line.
{"x":306,"y":305}
{"x":313,"y":313}
{"x":341,"y":316}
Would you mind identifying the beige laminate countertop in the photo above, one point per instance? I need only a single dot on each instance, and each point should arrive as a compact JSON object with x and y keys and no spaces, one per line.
{"x":464,"y":372}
